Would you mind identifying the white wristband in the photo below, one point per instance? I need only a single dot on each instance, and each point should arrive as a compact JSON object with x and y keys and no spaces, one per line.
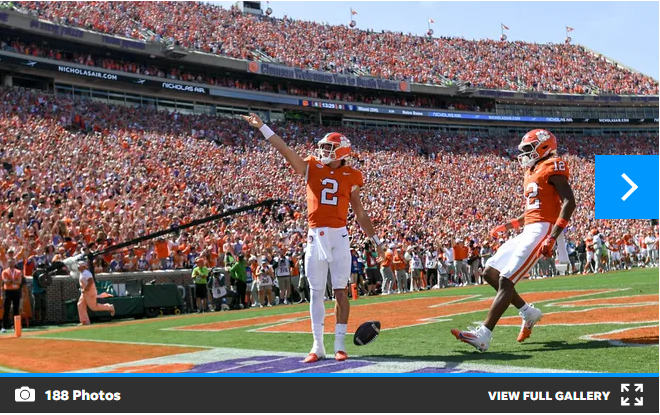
{"x":266,"y":131}
{"x":376,"y":240}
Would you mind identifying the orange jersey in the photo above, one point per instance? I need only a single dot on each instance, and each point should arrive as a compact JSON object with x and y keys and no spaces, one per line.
{"x":628,"y":240}
{"x":614,"y":246}
{"x":162,"y":249}
{"x":399,"y":262}
{"x":543,"y":203}
{"x":590,"y":244}
{"x":460,"y":252}
{"x":389,"y":258}
{"x":329,"y":193}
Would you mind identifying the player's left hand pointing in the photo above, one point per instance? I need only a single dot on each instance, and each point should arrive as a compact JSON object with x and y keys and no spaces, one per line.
{"x":253,"y":120}
{"x":547,"y":246}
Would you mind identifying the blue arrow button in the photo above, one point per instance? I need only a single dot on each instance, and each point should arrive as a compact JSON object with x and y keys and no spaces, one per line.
{"x":627,"y":187}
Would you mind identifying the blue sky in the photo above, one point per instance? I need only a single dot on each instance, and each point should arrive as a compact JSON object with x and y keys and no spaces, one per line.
{"x":624,"y":31}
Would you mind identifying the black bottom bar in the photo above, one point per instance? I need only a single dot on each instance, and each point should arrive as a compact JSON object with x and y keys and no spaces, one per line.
{"x":336,"y":394}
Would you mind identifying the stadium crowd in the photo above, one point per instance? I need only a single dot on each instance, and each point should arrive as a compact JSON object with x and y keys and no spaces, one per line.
{"x":283,"y":87}
{"x":81,"y":173}
{"x":491,"y":64}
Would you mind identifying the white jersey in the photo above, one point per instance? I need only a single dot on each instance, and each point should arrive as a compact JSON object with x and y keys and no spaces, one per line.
{"x":265,"y":280}
{"x":650,"y":242}
{"x":85,"y":276}
{"x":598,"y":242}
{"x":417,"y":262}
{"x":217,"y":289}
{"x":449,"y":253}
{"x":431,"y":259}
{"x":283,"y":268}
{"x":441,"y":266}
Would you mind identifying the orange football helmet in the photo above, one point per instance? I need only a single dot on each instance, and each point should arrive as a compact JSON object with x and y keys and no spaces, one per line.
{"x":333,"y":147}
{"x":535,"y":145}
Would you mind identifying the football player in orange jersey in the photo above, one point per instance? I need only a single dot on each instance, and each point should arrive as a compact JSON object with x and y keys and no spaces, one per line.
{"x":550,"y":204}
{"x":331,"y":186}
{"x":613,"y":246}
{"x":630,"y":250}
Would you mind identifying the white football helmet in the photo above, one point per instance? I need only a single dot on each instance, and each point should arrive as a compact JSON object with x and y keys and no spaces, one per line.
{"x":333,"y":147}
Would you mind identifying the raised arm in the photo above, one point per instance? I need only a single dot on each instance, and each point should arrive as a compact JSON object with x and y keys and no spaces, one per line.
{"x":299,"y":165}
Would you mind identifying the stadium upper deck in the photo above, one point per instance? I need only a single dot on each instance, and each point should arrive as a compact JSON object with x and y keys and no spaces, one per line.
{"x":489,"y":64}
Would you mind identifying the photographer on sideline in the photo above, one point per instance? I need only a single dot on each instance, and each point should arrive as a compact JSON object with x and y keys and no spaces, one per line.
{"x":371,"y":265}
{"x":239,"y":275}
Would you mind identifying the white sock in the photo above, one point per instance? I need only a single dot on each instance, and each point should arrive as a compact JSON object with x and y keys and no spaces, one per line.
{"x":317,"y":313}
{"x":524,"y":308}
{"x":340,"y":334}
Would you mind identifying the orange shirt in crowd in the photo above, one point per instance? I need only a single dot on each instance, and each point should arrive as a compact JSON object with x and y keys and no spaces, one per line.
{"x":460,"y":252}
{"x":399,"y":262}
{"x":389,"y":258}
{"x":628,"y":240}
{"x":11,"y":279}
{"x":590,"y":244}
{"x":162,"y":249}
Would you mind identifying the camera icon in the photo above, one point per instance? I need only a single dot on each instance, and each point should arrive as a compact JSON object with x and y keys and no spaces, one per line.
{"x":24,"y":394}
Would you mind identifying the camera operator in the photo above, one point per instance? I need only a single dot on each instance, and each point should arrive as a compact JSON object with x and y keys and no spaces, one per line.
{"x":282,"y":267}
{"x":39,"y":296}
{"x":581,"y":250}
{"x":371,"y":266}
{"x":239,"y":276}
{"x":254,"y":286}
{"x":303,"y":283}
{"x":265,"y":278}
{"x":416,"y":268}
{"x":431,"y":266}
{"x":474,"y":262}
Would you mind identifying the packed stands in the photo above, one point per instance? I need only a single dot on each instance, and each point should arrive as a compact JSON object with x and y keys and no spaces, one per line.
{"x":81,"y":172}
{"x":560,"y":68}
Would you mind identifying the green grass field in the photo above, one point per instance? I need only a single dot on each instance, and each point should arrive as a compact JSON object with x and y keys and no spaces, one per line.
{"x":556,"y":347}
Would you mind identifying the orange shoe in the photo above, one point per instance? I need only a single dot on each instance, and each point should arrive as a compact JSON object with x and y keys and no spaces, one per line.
{"x":479,"y":337}
{"x":341,"y":356}
{"x":530,"y":319}
{"x":524,"y":334}
{"x":312,"y":357}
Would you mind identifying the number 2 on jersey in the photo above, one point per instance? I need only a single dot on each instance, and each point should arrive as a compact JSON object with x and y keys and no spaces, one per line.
{"x":532,"y":201}
{"x":328,"y":195}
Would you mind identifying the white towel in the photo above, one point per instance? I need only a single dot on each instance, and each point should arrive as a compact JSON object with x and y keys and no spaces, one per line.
{"x":562,"y":253}
{"x":325,"y":250}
